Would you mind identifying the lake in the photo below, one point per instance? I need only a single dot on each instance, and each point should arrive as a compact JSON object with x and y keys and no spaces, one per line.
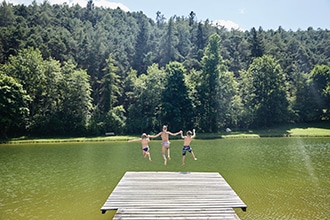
{"x":277,"y":178}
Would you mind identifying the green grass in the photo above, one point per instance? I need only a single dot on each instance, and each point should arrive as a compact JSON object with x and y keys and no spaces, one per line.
{"x":26,"y":140}
{"x":289,"y":130}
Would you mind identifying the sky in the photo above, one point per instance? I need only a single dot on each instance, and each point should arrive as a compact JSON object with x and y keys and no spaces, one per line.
{"x":237,"y":14}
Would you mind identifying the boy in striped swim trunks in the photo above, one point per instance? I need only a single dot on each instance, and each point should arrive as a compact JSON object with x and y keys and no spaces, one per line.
{"x":186,"y":145}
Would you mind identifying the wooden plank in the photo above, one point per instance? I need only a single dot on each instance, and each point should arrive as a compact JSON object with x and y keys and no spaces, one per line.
{"x":176,"y":214}
{"x":176,"y":191}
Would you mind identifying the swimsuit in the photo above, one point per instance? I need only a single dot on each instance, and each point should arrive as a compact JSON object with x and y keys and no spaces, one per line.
{"x":185,"y":149}
{"x":146,"y":149}
{"x":166,"y":143}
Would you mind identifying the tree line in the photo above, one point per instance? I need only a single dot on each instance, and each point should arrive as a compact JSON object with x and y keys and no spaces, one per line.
{"x":69,"y":70}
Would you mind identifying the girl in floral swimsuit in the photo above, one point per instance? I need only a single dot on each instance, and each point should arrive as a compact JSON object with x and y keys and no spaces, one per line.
{"x":165,"y":142}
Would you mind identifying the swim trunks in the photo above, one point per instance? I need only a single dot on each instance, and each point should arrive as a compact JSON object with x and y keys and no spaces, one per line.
{"x":146,"y":148}
{"x":185,"y":149}
{"x":166,"y":143}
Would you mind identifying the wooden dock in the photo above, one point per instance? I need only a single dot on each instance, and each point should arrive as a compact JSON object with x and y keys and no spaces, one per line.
{"x":173,"y":195}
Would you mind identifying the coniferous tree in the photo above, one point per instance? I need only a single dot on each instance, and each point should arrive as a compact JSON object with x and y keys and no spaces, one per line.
{"x":7,"y":16}
{"x":160,"y":19}
{"x":109,"y":86}
{"x":256,"y":44}
{"x":184,"y":44}
{"x":192,"y":16}
{"x":141,"y":47}
{"x":208,"y":90}
{"x":168,"y":47}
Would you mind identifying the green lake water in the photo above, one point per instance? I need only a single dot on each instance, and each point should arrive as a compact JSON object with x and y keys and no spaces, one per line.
{"x":278,"y":178}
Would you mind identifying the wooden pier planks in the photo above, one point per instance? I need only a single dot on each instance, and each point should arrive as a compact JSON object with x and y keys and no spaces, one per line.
{"x":191,"y":214}
{"x":153,"y":192}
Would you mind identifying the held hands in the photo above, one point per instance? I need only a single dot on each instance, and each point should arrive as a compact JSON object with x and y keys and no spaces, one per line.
{"x":180,"y":132}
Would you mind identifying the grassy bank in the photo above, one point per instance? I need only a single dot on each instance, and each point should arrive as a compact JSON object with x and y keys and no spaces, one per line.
{"x":291,"y":130}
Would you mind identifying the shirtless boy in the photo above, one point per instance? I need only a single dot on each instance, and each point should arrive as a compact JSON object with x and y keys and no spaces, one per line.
{"x":165,"y":142}
{"x":186,"y":145}
{"x":144,"y":144}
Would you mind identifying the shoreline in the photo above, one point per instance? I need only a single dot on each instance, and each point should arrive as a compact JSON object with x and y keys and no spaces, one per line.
{"x":310,"y":130}
{"x":126,"y":138}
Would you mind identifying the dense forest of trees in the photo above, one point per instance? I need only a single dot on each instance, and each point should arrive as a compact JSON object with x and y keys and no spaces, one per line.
{"x":71,"y":70}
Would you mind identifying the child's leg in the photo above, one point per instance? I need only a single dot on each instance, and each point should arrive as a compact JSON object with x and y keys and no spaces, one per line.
{"x":193,"y":155}
{"x":168,"y":153}
{"x":148,"y":153}
{"x":183,"y":157}
{"x":163,"y":155}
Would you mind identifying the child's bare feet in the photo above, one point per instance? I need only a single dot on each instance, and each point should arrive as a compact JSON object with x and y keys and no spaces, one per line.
{"x":195,"y":158}
{"x":169,"y":158}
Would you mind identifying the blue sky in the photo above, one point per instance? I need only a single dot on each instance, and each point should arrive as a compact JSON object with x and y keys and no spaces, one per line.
{"x":242,"y":14}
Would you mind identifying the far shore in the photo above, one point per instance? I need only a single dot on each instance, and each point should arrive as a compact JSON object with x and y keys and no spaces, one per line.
{"x":292,"y":130}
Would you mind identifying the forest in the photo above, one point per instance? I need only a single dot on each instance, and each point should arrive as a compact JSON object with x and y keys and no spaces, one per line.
{"x":84,"y":71}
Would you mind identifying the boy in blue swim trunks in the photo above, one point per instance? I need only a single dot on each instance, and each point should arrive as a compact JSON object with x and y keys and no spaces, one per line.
{"x":186,"y":145}
{"x":144,"y":144}
{"x":165,"y":142}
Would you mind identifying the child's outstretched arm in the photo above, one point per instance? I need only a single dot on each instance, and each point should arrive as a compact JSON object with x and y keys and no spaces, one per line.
{"x":181,"y":132}
{"x":154,"y":136}
{"x":174,"y":134}
{"x":194,"y":133}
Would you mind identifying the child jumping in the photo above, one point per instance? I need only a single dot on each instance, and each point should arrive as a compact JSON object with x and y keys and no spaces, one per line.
{"x":144,"y":144}
{"x":186,"y":145}
{"x":165,"y":142}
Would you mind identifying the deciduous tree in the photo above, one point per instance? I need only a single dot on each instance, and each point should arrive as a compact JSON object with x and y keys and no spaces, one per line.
{"x":176,"y":105}
{"x":13,"y":105}
{"x":268,"y":92}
